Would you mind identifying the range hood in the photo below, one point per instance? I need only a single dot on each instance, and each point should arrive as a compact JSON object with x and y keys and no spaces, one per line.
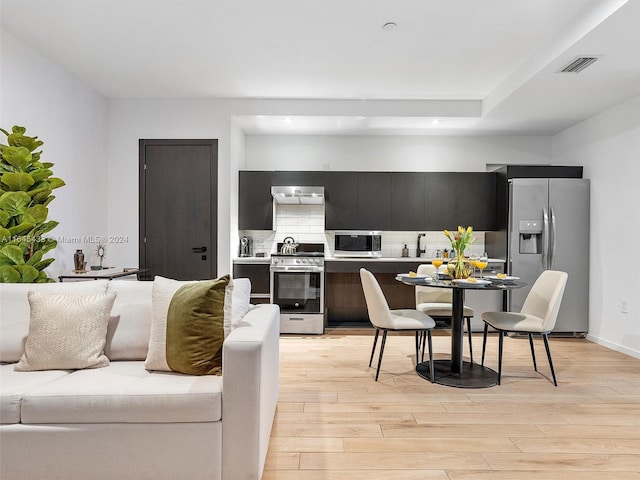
{"x":298,"y":195}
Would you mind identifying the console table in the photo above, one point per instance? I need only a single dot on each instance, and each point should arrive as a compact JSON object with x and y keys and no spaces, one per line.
{"x":107,"y":273}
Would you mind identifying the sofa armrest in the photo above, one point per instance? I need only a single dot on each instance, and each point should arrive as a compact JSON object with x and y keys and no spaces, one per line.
{"x":250,"y":364}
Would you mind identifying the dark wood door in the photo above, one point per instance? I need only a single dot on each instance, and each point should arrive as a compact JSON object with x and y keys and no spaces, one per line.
{"x":178,"y":208}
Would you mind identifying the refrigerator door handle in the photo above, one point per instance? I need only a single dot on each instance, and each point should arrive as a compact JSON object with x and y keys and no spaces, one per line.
{"x":552,"y":238}
{"x":545,"y":239}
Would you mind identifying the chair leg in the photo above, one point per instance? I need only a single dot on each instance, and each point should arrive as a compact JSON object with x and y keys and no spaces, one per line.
{"x":384,"y":340}
{"x":546,"y":346}
{"x":470,"y":341}
{"x":533,"y":352}
{"x":418,"y":340}
{"x":375,"y":341}
{"x":501,"y":341}
{"x":484,"y":342}
{"x":431,"y":369}
{"x":423,"y":339}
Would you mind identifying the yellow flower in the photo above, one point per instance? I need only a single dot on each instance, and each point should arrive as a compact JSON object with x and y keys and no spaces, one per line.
{"x":446,"y":232}
{"x":469,"y":229}
{"x":460,"y":229}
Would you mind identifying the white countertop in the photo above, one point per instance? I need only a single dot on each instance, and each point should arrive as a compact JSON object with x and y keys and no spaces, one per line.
{"x":267,"y":260}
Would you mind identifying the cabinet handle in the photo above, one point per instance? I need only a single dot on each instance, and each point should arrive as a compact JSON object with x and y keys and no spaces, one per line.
{"x":199,"y":249}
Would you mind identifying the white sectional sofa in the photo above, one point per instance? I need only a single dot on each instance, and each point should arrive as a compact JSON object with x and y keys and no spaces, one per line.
{"x":124,"y":422}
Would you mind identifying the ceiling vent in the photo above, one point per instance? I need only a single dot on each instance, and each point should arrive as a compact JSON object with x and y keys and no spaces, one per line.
{"x":578,"y":64}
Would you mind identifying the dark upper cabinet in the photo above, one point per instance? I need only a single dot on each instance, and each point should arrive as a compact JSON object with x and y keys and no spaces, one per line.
{"x":341,"y":200}
{"x":298,"y":179}
{"x":374,"y":201}
{"x":255,"y":204}
{"x":407,"y":201}
{"x":477,"y":200}
{"x":401,"y":201}
{"x":441,"y":200}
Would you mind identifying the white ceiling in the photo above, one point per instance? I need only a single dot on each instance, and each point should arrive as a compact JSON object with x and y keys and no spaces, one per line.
{"x":499,"y":54}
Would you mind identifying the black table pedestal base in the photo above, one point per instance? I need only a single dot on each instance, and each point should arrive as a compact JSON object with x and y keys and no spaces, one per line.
{"x":473,"y":375}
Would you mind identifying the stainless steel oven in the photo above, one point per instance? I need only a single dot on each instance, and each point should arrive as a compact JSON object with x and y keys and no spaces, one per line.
{"x":297,"y":286}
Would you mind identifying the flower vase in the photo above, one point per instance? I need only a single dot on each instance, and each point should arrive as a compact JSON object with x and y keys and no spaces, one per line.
{"x":459,"y":267}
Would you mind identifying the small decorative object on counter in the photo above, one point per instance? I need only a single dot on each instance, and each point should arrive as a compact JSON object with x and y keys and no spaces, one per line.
{"x":445,"y":254}
{"x":100,"y":253}
{"x":460,"y":267}
{"x":405,"y":251}
{"x":78,"y":261}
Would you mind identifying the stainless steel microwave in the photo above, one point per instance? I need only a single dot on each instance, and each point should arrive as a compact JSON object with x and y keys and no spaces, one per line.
{"x":358,"y":244}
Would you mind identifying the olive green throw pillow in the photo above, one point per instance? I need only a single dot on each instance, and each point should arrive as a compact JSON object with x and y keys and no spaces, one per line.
{"x":195,"y":328}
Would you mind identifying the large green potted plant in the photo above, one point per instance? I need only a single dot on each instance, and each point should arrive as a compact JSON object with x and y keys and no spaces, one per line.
{"x":26,"y":184}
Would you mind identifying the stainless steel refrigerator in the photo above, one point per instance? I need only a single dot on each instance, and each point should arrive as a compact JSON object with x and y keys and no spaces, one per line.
{"x":548,"y":229}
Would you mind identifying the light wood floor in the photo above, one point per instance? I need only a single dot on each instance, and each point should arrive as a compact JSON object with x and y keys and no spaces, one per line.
{"x":335,"y":422}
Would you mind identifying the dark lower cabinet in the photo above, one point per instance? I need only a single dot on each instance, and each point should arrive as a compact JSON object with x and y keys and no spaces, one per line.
{"x":259,"y":275}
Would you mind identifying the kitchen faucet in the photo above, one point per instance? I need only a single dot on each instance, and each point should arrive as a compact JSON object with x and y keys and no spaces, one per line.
{"x":418,"y":249}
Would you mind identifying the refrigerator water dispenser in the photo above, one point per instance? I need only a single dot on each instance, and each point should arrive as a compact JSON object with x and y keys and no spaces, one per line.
{"x":530,"y":233}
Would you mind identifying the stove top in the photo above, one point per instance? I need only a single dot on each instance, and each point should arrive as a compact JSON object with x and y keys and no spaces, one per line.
{"x":303,"y":250}
{"x":299,"y":254}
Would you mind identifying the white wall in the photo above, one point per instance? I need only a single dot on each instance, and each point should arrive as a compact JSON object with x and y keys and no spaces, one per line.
{"x":608,"y":145}
{"x":392,"y":152}
{"x":71,"y":119}
{"x":134,"y":119}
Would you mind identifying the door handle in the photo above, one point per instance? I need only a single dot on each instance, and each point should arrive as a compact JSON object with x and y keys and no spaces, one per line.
{"x":552,"y":238}
{"x":199,"y":249}
{"x":545,"y":240}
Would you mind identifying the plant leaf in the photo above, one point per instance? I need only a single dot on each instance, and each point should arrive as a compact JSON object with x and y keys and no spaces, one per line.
{"x":21,"y":229}
{"x":43,"y":264}
{"x":14,"y":203}
{"x":19,"y":157}
{"x":4,"y":218}
{"x":55,"y":182}
{"x":13,"y":253}
{"x":9,"y":274}
{"x":39,"y":213}
{"x":5,"y":235}
{"x":28,"y":274}
{"x":40,"y":174}
{"x":18,"y":181}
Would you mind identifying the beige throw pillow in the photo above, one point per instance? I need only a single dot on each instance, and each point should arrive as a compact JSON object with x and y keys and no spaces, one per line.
{"x":66,"y":331}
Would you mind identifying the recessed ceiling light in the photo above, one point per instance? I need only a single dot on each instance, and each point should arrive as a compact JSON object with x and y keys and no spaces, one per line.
{"x":389,"y":26}
{"x":287,"y":120}
{"x":360,"y":117}
{"x":435,"y":121}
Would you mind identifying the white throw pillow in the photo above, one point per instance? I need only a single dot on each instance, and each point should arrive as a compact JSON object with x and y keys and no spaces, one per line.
{"x":163,"y":291}
{"x":241,"y":300}
{"x":66,"y":332}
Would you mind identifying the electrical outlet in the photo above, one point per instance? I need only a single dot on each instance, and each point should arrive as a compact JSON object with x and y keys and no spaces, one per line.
{"x":624,"y":305}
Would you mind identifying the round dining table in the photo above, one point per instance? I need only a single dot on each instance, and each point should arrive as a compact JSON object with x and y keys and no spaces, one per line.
{"x":454,"y":371}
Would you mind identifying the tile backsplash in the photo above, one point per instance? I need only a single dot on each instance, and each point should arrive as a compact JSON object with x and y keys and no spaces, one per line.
{"x":305,"y":223}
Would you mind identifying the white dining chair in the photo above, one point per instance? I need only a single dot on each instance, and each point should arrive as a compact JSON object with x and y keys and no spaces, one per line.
{"x":437,"y":302}
{"x":538,"y":315}
{"x":382,"y":318}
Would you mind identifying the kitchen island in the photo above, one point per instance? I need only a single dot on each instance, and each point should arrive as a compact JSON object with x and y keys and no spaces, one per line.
{"x":345,"y":305}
